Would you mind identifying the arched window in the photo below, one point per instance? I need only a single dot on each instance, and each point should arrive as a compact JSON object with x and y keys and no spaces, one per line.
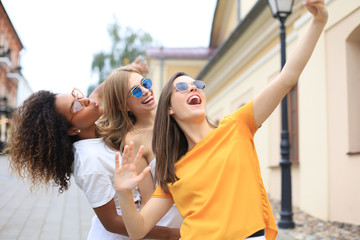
{"x":353,"y":88}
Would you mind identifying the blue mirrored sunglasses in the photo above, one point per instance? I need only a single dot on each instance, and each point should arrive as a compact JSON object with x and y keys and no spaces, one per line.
{"x":183,"y":86}
{"x":136,"y":90}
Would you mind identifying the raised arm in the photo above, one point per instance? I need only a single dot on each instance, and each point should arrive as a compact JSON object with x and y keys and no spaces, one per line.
{"x":266,"y":102}
{"x":140,"y":64}
{"x":138,"y":224}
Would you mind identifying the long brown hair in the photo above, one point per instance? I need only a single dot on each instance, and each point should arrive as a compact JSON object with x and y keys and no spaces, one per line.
{"x":39,"y":147}
{"x":169,"y":142}
{"x":116,"y":120}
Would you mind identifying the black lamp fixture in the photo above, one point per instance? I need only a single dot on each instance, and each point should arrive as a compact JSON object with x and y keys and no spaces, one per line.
{"x":281,"y":9}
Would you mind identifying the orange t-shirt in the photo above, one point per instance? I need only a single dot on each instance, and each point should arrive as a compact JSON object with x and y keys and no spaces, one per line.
{"x":220,"y":193}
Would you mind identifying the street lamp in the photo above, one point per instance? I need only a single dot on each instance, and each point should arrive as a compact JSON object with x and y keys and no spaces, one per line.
{"x":281,"y":9}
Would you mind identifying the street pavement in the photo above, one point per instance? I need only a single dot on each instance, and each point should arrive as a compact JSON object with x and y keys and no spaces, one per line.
{"x":45,"y":214}
{"x":41,"y":215}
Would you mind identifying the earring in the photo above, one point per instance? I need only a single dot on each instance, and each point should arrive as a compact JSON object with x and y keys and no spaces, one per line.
{"x":78,"y":131}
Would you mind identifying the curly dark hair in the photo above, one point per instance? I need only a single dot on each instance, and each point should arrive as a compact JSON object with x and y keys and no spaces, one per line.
{"x":39,"y":147}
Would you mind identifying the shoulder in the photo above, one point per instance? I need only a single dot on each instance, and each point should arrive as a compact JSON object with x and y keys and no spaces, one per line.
{"x":138,"y":138}
{"x":93,"y":156}
{"x":242,"y":119}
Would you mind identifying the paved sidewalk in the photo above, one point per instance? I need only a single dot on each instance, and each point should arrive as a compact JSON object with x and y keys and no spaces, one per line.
{"x":41,"y":215}
{"x":46,"y":215}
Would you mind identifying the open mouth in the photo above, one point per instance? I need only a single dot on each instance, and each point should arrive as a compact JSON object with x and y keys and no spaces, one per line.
{"x":147,"y":100}
{"x":194,"y":100}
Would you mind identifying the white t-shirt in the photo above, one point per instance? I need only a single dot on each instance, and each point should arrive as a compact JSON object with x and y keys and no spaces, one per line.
{"x":172,"y":218}
{"x":94,"y":165}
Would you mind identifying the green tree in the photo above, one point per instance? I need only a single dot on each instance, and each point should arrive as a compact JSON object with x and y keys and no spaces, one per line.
{"x":126,"y":45}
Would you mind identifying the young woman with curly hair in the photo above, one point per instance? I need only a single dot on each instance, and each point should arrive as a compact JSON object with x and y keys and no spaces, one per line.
{"x":48,"y":137}
{"x":38,"y":145}
{"x":212,"y":174}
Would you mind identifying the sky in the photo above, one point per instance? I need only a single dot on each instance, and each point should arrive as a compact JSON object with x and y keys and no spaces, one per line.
{"x":61,"y":37}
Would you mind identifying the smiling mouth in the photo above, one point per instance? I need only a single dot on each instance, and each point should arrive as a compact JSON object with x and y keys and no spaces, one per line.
{"x":147,"y":100}
{"x":194,"y":100}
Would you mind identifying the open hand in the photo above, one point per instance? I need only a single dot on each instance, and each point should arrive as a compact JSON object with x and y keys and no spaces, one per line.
{"x":317,"y":8}
{"x":126,"y":177}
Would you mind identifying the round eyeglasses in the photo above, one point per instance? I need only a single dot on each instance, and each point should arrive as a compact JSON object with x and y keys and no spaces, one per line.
{"x":136,"y":90}
{"x":76,"y":105}
{"x":183,"y":86}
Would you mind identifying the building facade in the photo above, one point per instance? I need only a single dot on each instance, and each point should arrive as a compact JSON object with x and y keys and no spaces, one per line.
{"x":324,"y":108}
{"x":164,"y":62}
{"x":13,"y":86}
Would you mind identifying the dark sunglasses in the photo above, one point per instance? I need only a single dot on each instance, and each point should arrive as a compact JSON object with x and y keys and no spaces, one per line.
{"x":136,"y":90}
{"x":183,"y":86}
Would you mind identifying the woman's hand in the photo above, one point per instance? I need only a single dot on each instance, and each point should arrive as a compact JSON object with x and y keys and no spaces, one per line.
{"x":126,"y":177}
{"x":318,"y":9}
{"x":140,"y":64}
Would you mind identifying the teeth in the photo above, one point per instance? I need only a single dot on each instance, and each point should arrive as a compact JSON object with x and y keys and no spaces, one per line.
{"x":147,"y":100}
{"x":194,"y":100}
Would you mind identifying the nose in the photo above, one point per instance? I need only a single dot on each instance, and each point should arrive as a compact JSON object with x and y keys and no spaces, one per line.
{"x":144,"y":90}
{"x":192,"y":88}
{"x":84,"y":101}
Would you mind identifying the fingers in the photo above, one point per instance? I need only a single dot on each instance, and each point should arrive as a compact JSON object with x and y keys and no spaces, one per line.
{"x":139,"y":155}
{"x":137,"y":59}
{"x":127,"y":157}
{"x":307,"y":2}
{"x":117,"y":160}
{"x":144,"y":173}
{"x":131,"y":152}
{"x":317,"y":8}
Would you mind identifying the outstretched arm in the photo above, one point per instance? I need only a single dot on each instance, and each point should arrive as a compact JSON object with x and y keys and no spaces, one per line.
{"x":137,"y":224}
{"x":266,"y":102}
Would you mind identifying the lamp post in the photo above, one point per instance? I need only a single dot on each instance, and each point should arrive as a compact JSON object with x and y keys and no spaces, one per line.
{"x":281,"y":9}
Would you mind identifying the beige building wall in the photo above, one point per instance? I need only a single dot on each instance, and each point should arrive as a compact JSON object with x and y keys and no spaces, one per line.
{"x":162,"y":69}
{"x":246,"y":6}
{"x":343,"y":86}
{"x":238,"y":76}
{"x":226,"y":11}
{"x":324,"y":182}
{"x":313,"y":151}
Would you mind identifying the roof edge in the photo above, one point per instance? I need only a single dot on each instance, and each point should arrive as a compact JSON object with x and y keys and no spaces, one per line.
{"x":239,"y":30}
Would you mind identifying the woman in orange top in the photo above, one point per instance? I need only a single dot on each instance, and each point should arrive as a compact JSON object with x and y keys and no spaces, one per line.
{"x":211,"y":174}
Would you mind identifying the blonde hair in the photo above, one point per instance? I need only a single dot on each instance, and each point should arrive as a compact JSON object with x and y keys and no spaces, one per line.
{"x":116,"y":120}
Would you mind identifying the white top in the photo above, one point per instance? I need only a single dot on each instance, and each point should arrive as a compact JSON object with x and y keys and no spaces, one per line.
{"x":172,"y":218}
{"x":94,"y":164}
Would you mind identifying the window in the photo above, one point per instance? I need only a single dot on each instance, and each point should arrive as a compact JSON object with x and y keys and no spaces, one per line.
{"x":353,"y":89}
{"x":292,"y":99}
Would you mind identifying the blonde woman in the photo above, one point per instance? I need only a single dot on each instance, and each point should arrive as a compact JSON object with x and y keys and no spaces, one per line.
{"x":129,"y":114}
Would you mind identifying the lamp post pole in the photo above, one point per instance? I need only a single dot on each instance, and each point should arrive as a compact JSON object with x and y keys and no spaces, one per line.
{"x":286,"y":220}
